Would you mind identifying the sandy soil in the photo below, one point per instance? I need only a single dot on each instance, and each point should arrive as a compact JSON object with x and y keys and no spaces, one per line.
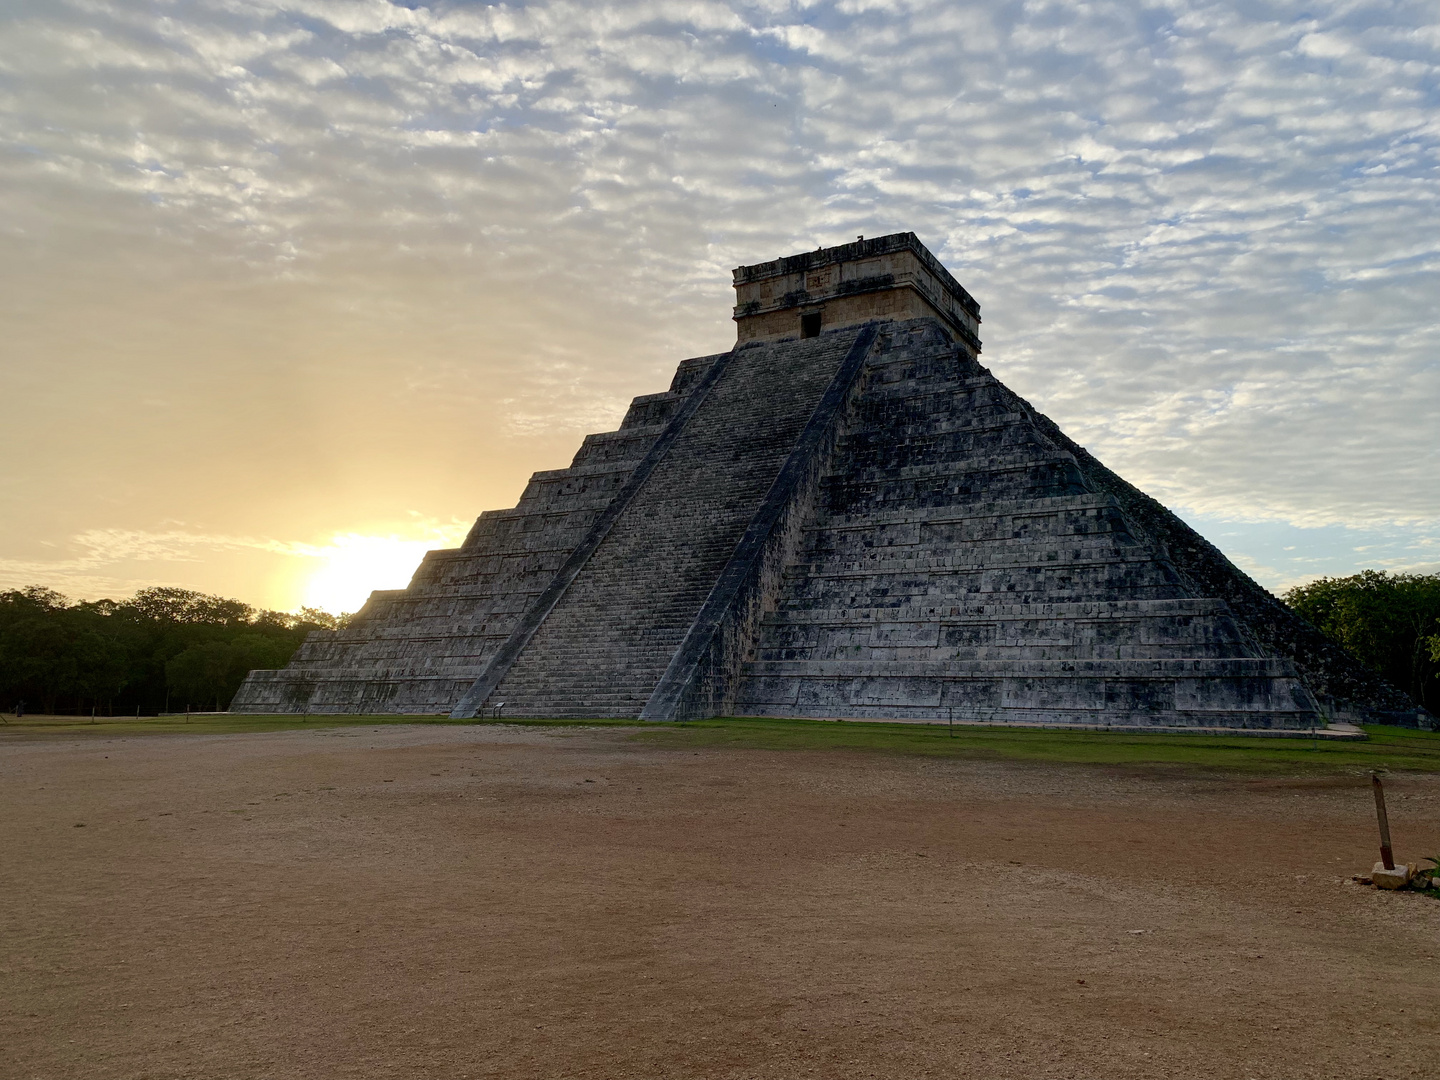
{"x":490,"y":902}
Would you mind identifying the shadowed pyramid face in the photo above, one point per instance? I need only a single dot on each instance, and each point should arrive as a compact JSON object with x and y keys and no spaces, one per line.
{"x":843,"y":516}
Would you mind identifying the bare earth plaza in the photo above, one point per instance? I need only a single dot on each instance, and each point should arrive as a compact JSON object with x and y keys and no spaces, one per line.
{"x":835,"y":716}
{"x":489,"y":900}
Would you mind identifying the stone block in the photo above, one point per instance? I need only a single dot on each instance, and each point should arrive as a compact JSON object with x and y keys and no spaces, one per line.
{"x":1391,"y":879}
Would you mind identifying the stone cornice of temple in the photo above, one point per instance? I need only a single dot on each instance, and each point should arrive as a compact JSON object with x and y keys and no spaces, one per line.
{"x":898,"y":263}
{"x":857,"y":252}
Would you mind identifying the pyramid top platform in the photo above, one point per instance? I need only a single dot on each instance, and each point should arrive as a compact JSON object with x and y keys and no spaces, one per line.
{"x":889,"y":277}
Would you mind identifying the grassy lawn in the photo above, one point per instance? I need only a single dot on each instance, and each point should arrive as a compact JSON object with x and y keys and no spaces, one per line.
{"x":1388,"y":748}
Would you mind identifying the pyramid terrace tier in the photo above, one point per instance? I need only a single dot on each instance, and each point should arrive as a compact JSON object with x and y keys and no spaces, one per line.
{"x":1257,"y":692}
{"x":416,"y":650}
{"x":1109,"y":630}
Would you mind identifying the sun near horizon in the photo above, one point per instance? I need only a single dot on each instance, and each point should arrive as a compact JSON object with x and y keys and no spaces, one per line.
{"x":353,"y":566}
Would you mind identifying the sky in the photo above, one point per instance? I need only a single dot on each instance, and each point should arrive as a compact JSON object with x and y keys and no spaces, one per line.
{"x":291,"y":291}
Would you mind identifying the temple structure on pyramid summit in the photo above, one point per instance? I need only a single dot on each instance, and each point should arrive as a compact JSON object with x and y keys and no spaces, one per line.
{"x":844,"y":516}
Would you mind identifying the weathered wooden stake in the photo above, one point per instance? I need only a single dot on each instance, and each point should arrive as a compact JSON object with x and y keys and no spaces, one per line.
{"x":1387,"y":856}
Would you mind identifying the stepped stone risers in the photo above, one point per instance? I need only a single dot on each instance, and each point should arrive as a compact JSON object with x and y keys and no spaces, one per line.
{"x":940,"y":422}
{"x":1100,"y":699}
{"x":907,"y":405}
{"x":1171,"y":721}
{"x":861,"y":439}
{"x":952,"y":452}
{"x":899,"y":546}
{"x":489,"y":576}
{"x":854,"y":495}
{"x":985,"y":464}
{"x":610,"y":447}
{"x":910,"y":372}
{"x":1071,"y":582}
{"x":569,"y":712}
{"x":1040,"y":507}
{"x":1216,"y":689}
{"x":326,"y":694}
{"x":450,"y":650}
{"x":637,"y":663}
{"x":504,"y":528}
{"x":484,"y":581}
{"x":649,"y":411}
{"x":962,"y":436}
{"x":947,"y":653}
{"x":505,"y":596}
{"x":890,"y":570}
{"x":1007,"y":553}
{"x":664,"y":552}
{"x":922,"y":367}
{"x":934,"y":370}
{"x":385,"y":667}
{"x":1236,"y":667}
{"x":563,"y":490}
{"x":657,"y":409}
{"x":1183,"y":636}
{"x":1090,"y":610}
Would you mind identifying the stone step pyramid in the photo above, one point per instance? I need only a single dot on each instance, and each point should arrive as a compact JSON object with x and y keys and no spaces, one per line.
{"x":845,"y":516}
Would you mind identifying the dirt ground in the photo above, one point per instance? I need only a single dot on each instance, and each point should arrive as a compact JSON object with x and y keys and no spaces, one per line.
{"x":469,"y":902}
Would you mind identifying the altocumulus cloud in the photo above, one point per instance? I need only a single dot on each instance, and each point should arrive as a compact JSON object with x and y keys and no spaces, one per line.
{"x":1205,"y":237}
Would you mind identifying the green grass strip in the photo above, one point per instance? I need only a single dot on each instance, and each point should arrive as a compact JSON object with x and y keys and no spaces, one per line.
{"x":1388,"y":748}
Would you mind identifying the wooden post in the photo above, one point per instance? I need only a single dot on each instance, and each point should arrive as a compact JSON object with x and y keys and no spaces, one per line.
{"x":1387,"y":856}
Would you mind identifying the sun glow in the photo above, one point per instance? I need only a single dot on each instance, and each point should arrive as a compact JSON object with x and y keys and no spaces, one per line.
{"x":352,"y":566}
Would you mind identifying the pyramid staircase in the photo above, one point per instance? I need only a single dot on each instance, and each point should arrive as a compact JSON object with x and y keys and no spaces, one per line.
{"x":603,"y":646}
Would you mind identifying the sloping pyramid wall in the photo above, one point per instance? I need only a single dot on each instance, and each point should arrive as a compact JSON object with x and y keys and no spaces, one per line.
{"x":960,"y":566}
{"x":862,"y":524}
{"x":603,"y":647}
{"x":418,"y":649}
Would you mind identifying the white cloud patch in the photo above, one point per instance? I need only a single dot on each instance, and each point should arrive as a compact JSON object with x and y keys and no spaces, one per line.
{"x":1205,"y":236}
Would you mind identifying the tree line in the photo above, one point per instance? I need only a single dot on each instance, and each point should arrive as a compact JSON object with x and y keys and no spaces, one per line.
{"x":1390,"y":622}
{"x":162,"y":650}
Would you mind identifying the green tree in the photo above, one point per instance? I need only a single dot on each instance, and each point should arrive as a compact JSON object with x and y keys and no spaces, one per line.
{"x":187,"y":606}
{"x":161,"y":645}
{"x":213,"y":670}
{"x":55,"y":658}
{"x":1389,"y":621}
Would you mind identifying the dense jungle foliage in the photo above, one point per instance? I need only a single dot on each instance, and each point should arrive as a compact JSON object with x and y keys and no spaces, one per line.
{"x":162,"y":650}
{"x":1389,"y":621}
